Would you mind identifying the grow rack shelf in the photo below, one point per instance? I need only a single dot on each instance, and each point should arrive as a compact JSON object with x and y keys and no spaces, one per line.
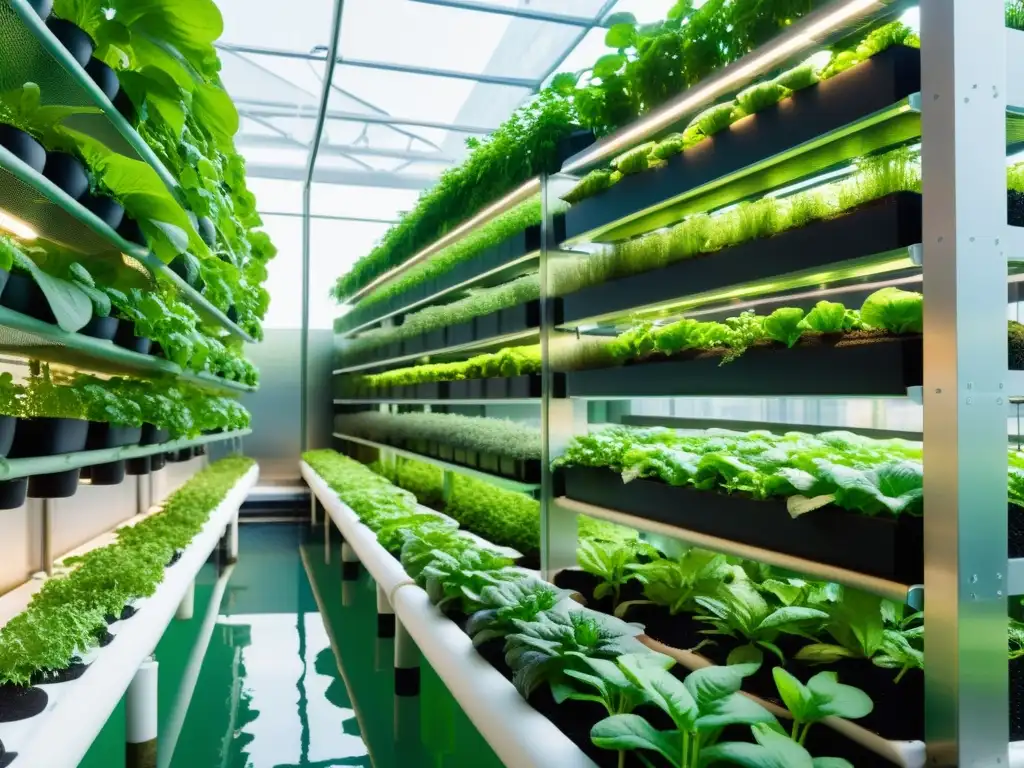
{"x":892,"y":590}
{"x":79,"y":709}
{"x":42,"y":465}
{"x":885,"y":368}
{"x":489,"y":477}
{"x":447,"y":354}
{"x":524,"y":388}
{"x":31,"y":338}
{"x":57,"y":217}
{"x":876,"y":241}
{"x":31,"y":53}
{"x":871,"y":107}
{"x":488,"y":278}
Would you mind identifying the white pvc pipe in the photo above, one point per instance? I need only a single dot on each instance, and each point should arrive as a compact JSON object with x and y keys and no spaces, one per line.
{"x":140,"y":704}
{"x":189,"y":679}
{"x":79,"y":709}
{"x":407,"y":655}
{"x":518,"y":734}
{"x":187,"y":606}
{"x":383,"y":604}
{"x":233,"y":539}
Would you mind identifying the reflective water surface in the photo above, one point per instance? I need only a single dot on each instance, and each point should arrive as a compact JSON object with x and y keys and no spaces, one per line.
{"x":286,"y":672}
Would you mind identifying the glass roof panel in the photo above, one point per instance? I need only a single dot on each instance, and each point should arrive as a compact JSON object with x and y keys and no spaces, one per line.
{"x":290,"y":26}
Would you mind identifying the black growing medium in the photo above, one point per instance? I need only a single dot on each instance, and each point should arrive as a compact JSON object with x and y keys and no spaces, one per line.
{"x":1015,"y":208}
{"x":871,"y":86}
{"x":855,"y":364}
{"x":22,"y":146}
{"x":887,"y":547}
{"x":511,"y":249}
{"x":887,"y":224}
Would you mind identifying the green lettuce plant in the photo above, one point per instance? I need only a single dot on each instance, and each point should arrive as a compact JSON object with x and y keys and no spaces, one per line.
{"x":770,"y":749}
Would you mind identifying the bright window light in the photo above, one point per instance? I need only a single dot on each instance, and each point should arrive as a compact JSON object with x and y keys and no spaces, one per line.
{"x":912,"y":18}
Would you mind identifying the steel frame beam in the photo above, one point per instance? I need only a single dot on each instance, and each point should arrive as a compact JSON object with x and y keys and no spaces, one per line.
{"x":519,"y":13}
{"x":343,"y":150}
{"x":478,"y":77}
{"x":354,"y":178}
{"x":257,"y":108}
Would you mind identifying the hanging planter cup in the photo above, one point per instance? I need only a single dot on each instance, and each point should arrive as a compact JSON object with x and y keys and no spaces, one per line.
{"x":23,"y":147}
{"x":107,"y":209}
{"x":104,"y":77}
{"x":23,"y":295}
{"x":42,"y":8}
{"x":68,"y":173}
{"x":75,"y":39}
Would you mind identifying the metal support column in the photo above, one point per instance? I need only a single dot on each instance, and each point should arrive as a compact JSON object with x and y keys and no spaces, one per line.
{"x":349,"y":562}
{"x":964,"y":183}
{"x":307,"y":194}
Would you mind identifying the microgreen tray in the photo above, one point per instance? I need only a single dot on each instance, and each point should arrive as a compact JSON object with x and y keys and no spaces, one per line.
{"x":875,"y":229}
{"x":852,"y":366}
{"x":861,"y":110}
{"x":886,"y":547}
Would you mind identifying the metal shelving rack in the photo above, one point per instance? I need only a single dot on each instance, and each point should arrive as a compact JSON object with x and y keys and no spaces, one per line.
{"x":972,"y":70}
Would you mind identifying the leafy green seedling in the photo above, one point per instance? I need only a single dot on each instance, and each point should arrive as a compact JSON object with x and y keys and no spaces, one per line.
{"x":823,"y":696}
{"x":610,"y":562}
{"x":771,"y":750}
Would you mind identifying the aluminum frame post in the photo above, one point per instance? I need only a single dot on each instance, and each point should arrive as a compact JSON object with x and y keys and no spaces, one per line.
{"x":307,"y":194}
{"x":963,"y":64}
{"x":560,"y":417}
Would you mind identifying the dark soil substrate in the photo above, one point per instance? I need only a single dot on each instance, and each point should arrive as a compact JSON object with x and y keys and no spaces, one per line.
{"x":1015,"y":208}
{"x":104,"y":637}
{"x":73,"y":672}
{"x":174,"y":558}
{"x":1017,"y":700}
{"x":20,"y":703}
{"x":6,"y":758}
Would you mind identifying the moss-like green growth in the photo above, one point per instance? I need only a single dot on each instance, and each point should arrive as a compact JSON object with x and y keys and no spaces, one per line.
{"x":1016,"y":346}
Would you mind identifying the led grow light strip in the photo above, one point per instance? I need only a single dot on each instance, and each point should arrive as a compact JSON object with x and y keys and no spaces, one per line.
{"x":516,"y":196}
{"x":17,"y":227}
{"x":800,"y":36}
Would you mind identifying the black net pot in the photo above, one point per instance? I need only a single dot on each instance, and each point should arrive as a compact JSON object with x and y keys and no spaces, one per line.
{"x":75,"y":39}
{"x":111,"y":473}
{"x":139,"y":466}
{"x":23,"y":147}
{"x":107,"y":209}
{"x":153,"y":436}
{"x":157,"y":461}
{"x":67,"y":172}
{"x":54,"y":485}
{"x":42,"y":9}
{"x":47,"y":436}
{"x":104,"y":77}
{"x":13,"y":492}
{"x":102,"y":328}
{"x":8,"y":425}
{"x":20,"y":702}
{"x":125,"y":337}
{"x":23,"y":295}
{"x":105,"y":435}
{"x":130,"y":230}
{"x":176,"y":457}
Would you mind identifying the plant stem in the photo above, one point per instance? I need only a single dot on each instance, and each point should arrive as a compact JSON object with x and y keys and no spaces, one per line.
{"x":803,"y":736}
{"x":622,"y":758}
{"x":685,"y":759}
{"x":900,"y":675}
{"x":793,"y":734}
